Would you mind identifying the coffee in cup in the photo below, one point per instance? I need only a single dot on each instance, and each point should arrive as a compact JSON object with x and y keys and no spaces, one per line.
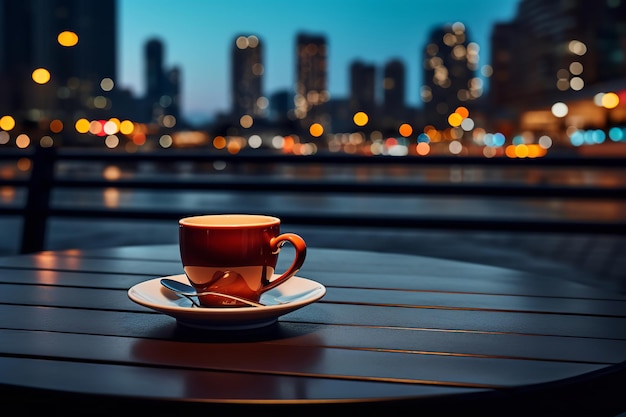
{"x":235,"y":254}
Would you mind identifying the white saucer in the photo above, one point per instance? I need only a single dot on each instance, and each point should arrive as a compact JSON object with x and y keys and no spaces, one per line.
{"x":295,"y":293}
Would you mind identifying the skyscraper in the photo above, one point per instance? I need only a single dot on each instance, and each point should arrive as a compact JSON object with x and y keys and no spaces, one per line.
{"x":363,"y":88}
{"x":311,"y":90}
{"x":162,"y":97}
{"x":155,"y":74}
{"x":394,"y":109}
{"x":29,"y":39}
{"x":247,"y":77}
{"x":553,"y":47}
{"x":450,"y":62}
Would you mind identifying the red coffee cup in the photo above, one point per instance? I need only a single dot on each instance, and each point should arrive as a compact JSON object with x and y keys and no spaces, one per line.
{"x":235,"y":254}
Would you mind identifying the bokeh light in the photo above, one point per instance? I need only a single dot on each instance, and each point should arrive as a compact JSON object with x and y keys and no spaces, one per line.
{"x":246,"y":121}
{"x":67,"y":38}
{"x":219,"y":142}
{"x":255,"y":141}
{"x":41,"y":76}
{"x":7,"y":123}
{"x":107,"y":84}
{"x":22,"y":141}
{"x":316,"y":130}
{"x":82,"y":125}
{"x":405,"y":130}
{"x":455,"y":119}
{"x":610,"y":100}
{"x":56,"y":126}
{"x":127,"y":127}
{"x":46,"y":142}
{"x":165,"y":141}
{"x":360,"y":118}
{"x":560,"y":109}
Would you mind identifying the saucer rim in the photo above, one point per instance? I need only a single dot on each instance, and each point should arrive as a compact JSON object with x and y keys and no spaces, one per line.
{"x":218,"y":318}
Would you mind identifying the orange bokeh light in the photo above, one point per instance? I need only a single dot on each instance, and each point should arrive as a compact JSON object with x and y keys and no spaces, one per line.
{"x":405,"y":130}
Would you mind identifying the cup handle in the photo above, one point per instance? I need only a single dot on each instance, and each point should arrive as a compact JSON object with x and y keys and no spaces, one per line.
{"x":300,"y":247}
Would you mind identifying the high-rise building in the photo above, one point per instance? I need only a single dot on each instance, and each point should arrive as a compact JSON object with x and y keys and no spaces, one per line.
{"x":363,"y":88}
{"x":553,"y":47}
{"x":162,"y":96}
{"x":551,"y":52}
{"x":311,"y":90}
{"x":154,"y":71}
{"x":31,"y":36}
{"x":16,"y":45}
{"x":247,"y":77}
{"x":394,"y":109}
{"x":173,"y":99}
{"x":450,"y":62}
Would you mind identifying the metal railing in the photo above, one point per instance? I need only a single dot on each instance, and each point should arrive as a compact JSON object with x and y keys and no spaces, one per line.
{"x":38,"y":209}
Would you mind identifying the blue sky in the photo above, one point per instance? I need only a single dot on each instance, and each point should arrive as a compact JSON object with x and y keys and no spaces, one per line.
{"x":198,"y":35}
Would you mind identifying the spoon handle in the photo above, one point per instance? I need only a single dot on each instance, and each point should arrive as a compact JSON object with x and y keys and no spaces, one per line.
{"x":232,"y":297}
{"x":175,"y":285}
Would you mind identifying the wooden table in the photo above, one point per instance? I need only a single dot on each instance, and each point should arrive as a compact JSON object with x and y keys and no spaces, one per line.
{"x":392,"y":331}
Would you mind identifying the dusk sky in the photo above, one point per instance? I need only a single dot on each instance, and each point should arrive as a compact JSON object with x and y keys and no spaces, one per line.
{"x":198,"y":35}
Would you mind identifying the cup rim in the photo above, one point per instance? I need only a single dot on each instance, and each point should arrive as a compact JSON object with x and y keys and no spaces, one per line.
{"x":229,"y":220}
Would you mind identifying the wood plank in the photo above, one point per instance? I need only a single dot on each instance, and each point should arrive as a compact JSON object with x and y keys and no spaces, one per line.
{"x":312,"y":361}
{"x":423,"y":341}
{"x":477,"y":301}
{"x":335,"y":314}
{"x":49,"y":261}
{"x":464,"y":320}
{"x":479,"y":278}
{"x":102,"y":293}
{"x":75,"y":279}
{"x":126,"y":381}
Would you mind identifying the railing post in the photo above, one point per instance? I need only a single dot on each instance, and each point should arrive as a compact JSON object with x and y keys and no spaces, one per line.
{"x":36,"y":211}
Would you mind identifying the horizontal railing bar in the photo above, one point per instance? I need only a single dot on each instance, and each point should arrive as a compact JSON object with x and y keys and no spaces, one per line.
{"x":361,"y":220}
{"x":269,"y":157}
{"x":14,"y":182}
{"x":355,"y":187}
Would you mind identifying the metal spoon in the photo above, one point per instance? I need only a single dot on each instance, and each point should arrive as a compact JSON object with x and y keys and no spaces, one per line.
{"x":188,"y":292}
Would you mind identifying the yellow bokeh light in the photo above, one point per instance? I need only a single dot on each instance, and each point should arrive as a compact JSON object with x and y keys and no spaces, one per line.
{"x":41,"y":75}
{"x":67,"y":38}
{"x":455,"y":119}
{"x":316,"y":130}
{"x":360,"y":118}
{"x":127,"y":127}
{"x":7,"y":123}
{"x":610,"y":100}
{"x":521,"y":151}
{"x":405,"y":130}
{"x":82,"y":125}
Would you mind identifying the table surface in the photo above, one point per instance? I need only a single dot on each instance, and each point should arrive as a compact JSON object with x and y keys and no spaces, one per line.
{"x":391,"y":330}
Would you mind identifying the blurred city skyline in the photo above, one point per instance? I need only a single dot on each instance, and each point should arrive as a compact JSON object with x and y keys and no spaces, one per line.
{"x":198,"y":36}
{"x":554,"y":77}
